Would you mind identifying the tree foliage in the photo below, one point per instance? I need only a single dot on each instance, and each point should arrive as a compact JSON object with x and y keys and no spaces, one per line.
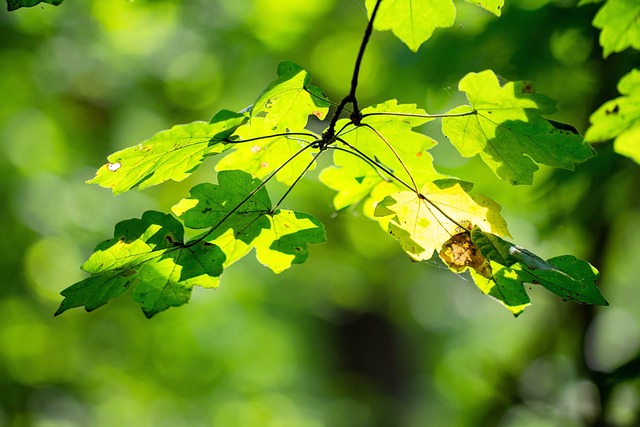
{"x":378,"y":157}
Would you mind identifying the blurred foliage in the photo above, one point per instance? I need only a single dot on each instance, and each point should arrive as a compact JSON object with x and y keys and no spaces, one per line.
{"x":359,"y":335}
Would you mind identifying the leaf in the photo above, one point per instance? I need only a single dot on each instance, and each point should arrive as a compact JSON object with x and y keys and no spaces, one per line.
{"x":263,"y":156}
{"x":353,"y":179}
{"x":393,"y":144}
{"x":148,"y":258}
{"x":505,"y":125}
{"x":620,"y":118}
{"x":620,"y":24}
{"x":423,"y":223}
{"x":171,"y":154}
{"x":569,"y":278}
{"x":412,"y":21}
{"x":289,"y":100}
{"x":505,"y":287}
{"x":17,"y":4}
{"x":460,"y":254}
{"x":493,"y":6}
{"x":565,"y":276}
{"x":239,"y":214}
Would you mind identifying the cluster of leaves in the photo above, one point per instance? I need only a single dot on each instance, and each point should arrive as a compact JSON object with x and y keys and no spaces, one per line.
{"x":619,"y":119}
{"x":380,"y":162}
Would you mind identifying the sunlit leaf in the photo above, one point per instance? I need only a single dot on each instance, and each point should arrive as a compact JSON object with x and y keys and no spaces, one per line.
{"x":240,"y":217}
{"x":171,"y":154}
{"x":504,"y":286}
{"x":148,"y":258}
{"x":422,"y":223}
{"x":565,"y":276}
{"x":412,"y":21}
{"x":289,"y":100}
{"x":505,"y":125}
{"x":17,"y":4}
{"x":620,"y":24}
{"x":619,"y":118}
{"x":263,"y":156}
{"x":493,"y":6}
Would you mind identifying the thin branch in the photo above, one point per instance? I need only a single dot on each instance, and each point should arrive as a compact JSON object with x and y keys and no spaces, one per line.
{"x":286,"y":193}
{"x":374,"y":166}
{"x":249,"y":196}
{"x":275,"y":135}
{"x":373,"y":162}
{"x":351,"y":97}
{"x":395,"y":153}
{"x":401,"y":182}
{"x":423,"y":116}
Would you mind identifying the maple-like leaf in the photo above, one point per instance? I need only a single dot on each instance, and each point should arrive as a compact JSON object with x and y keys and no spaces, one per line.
{"x":422,"y":223}
{"x":619,"y":118}
{"x":565,"y":276}
{"x":620,"y":24}
{"x":239,"y":216}
{"x":506,"y":126}
{"x":148,"y":258}
{"x":171,"y":154}
{"x":290,"y":99}
{"x":264,"y":154}
{"x":412,"y":21}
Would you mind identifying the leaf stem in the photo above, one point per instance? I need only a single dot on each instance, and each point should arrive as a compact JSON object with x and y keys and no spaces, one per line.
{"x":424,"y":116}
{"x":421,"y":196}
{"x":286,"y":193}
{"x":275,"y":135}
{"x":251,"y":194}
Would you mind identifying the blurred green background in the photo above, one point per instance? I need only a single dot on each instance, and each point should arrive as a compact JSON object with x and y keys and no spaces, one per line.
{"x":357,"y":336}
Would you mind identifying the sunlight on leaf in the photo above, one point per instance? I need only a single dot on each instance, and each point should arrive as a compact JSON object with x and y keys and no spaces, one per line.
{"x":620,"y":24}
{"x":493,"y":6}
{"x":263,"y":156}
{"x":412,"y":21}
{"x":241,"y":218}
{"x":289,"y":101}
{"x":619,"y":119}
{"x":171,"y":154}
{"x":423,"y":223}
{"x":565,"y":276}
{"x":505,"y":287}
{"x":505,"y":125}
{"x":148,"y":258}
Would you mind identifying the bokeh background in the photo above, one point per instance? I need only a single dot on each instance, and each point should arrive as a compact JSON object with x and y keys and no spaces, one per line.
{"x":357,"y":336}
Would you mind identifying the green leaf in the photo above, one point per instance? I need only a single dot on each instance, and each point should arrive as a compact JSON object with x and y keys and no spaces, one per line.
{"x":238,"y":212}
{"x":171,"y":154}
{"x":17,"y":4}
{"x":565,"y":276}
{"x":412,"y":21}
{"x":505,"y":286}
{"x":493,"y":6}
{"x":620,"y":118}
{"x":290,"y":99}
{"x":353,"y":179}
{"x":386,"y":137}
{"x":620,"y":24}
{"x":262,"y":156}
{"x":148,"y":258}
{"x":422,"y":223}
{"x":505,"y":125}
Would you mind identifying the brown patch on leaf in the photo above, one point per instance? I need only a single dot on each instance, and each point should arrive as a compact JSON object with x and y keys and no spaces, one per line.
{"x":460,"y":253}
